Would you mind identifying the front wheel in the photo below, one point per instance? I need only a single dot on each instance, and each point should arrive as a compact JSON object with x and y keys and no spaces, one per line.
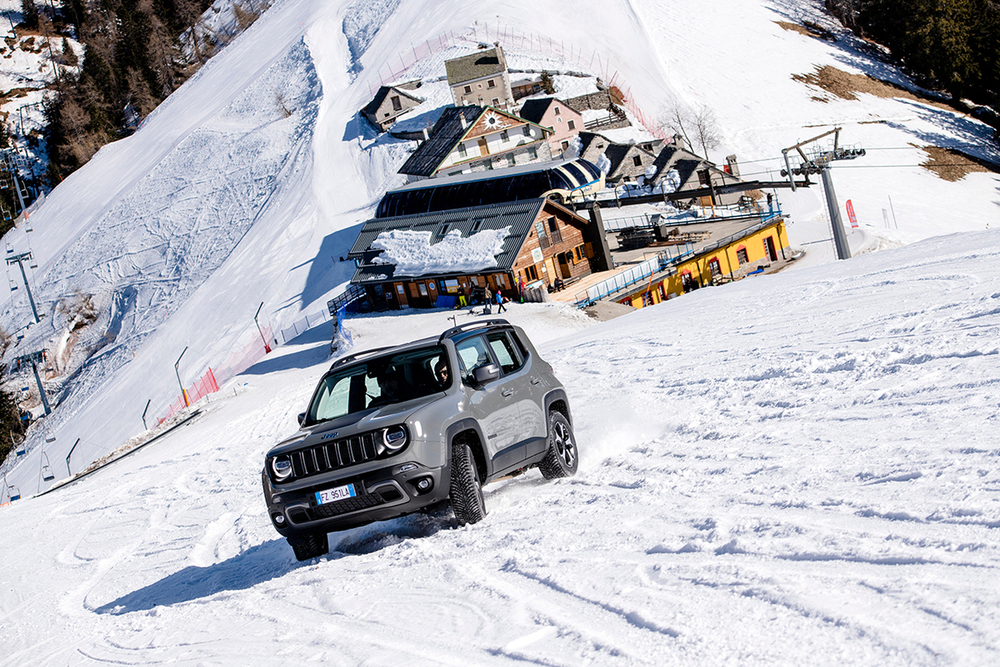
{"x":562,"y":458}
{"x":466,"y":490}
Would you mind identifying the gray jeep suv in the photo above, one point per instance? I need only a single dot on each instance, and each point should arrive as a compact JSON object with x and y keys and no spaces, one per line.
{"x":397,"y":430}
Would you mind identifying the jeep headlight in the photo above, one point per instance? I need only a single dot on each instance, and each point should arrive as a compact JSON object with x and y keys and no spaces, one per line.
{"x":393,"y":439}
{"x":281,"y":466}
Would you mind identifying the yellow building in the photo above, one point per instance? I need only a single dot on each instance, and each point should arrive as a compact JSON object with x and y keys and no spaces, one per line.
{"x":730,"y":259}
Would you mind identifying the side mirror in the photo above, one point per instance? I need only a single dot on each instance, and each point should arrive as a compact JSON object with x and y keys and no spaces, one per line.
{"x":486,"y":373}
{"x":301,"y":418}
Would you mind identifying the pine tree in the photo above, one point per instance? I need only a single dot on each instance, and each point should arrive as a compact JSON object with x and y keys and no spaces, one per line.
{"x":29,"y":14}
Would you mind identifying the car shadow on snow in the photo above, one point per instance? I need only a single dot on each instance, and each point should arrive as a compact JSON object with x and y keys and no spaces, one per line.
{"x":256,"y":565}
{"x":271,"y":560}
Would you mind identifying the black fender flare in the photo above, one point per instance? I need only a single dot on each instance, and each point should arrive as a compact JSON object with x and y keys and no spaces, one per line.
{"x":558,"y":395}
{"x":482,"y":460}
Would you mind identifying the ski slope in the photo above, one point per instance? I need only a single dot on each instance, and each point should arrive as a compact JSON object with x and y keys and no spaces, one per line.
{"x":794,"y":469}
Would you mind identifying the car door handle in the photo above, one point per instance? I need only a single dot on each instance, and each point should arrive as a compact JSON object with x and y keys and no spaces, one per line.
{"x":506,"y":393}
{"x":536,"y":380}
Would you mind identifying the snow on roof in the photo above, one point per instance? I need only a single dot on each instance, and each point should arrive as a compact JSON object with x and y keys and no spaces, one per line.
{"x":413,"y":254}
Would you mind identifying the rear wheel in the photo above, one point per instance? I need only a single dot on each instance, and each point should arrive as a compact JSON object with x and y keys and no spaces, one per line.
{"x":562,"y":458}
{"x":466,"y":490}
{"x":311,"y":545}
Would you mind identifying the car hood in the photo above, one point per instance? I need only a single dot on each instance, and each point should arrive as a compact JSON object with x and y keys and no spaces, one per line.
{"x":352,"y":424}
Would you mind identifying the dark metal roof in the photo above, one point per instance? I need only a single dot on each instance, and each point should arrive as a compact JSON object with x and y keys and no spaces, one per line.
{"x":479,"y":188}
{"x":518,"y":215}
{"x":535,"y":108}
{"x":447,"y":132}
{"x":475,"y":66}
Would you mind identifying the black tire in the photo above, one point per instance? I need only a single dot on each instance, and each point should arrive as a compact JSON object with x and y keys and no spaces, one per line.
{"x":311,"y":545}
{"x":562,"y":458}
{"x":467,"y":500}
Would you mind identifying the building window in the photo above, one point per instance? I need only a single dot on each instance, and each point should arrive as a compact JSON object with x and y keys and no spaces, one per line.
{"x":444,"y":229}
{"x":491,"y":84}
{"x":468,"y":89}
{"x":741,"y":257}
{"x":540,"y":232}
{"x":557,"y":111}
{"x":533,"y":152}
{"x":637,"y":160}
{"x":714,"y":268}
{"x":504,"y":136}
{"x":396,"y":104}
{"x":571,"y":124}
{"x":462,"y":151}
{"x":495,"y":102}
{"x":511,"y":161}
{"x":476,"y":226}
{"x":554,"y":232}
{"x":579,"y":253}
{"x":527,"y":131}
{"x":565,"y":145}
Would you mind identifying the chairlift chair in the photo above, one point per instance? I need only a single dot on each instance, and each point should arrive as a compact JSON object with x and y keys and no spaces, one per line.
{"x":47,"y":474}
{"x":13,"y":492}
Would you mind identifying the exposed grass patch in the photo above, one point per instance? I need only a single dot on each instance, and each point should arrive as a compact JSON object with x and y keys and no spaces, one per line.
{"x":954,"y":165}
{"x":846,"y":86}
{"x":809,"y":29}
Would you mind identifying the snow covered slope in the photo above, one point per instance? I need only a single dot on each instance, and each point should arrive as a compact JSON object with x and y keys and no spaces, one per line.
{"x":792,"y":469}
{"x":808,"y":479}
{"x":248,"y":183}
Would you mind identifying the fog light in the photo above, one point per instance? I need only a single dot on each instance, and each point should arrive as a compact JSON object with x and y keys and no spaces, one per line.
{"x":424,"y":484}
{"x":279,"y":519}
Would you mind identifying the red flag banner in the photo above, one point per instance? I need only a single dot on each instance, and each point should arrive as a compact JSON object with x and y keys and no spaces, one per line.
{"x":850,"y":214}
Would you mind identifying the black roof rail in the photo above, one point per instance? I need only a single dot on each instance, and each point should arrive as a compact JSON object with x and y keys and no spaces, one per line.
{"x":475,"y":324}
{"x":354,"y":357}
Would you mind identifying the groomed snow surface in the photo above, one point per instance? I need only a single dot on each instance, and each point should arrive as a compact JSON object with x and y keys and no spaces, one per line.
{"x":795,"y":469}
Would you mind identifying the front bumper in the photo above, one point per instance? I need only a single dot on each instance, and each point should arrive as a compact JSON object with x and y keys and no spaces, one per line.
{"x":384,"y":493}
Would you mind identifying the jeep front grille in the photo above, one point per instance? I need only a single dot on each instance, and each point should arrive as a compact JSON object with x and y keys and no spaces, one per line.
{"x":344,"y":506}
{"x":333,"y":455}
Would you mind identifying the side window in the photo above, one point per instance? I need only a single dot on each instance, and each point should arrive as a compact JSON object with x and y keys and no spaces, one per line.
{"x":472,"y":354}
{"x":504,"y":351}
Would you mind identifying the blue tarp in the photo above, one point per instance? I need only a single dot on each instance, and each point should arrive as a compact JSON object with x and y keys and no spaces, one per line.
{"x":446,"y":301}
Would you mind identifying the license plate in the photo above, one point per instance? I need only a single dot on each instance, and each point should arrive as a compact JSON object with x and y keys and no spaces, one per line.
{"x":333,"y":495}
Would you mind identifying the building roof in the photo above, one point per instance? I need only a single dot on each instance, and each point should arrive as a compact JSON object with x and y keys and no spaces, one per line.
{"x":448,"y":131}
{"x":534,"y":109}
{"x":519,"y":216}
{"x":475,"y":66}
{"x":527,"y":181}
{"x":444,"y":136}
{"x":383,"y":92}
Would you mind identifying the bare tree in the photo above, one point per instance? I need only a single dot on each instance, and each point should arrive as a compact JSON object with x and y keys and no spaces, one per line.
{"x":699,"y":124}
{"x":706,"y":129}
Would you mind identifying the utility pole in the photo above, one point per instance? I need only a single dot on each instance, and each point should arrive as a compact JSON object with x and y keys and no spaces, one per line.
{"x":184,"y":393}
{"x":19,"y":260}
{"x":35,"y":358}
{"x":267,"y":347}
{"x":820,"y":164}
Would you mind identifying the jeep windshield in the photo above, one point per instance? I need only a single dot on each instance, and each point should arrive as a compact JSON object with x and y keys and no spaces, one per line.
{"x":381,"y":381}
